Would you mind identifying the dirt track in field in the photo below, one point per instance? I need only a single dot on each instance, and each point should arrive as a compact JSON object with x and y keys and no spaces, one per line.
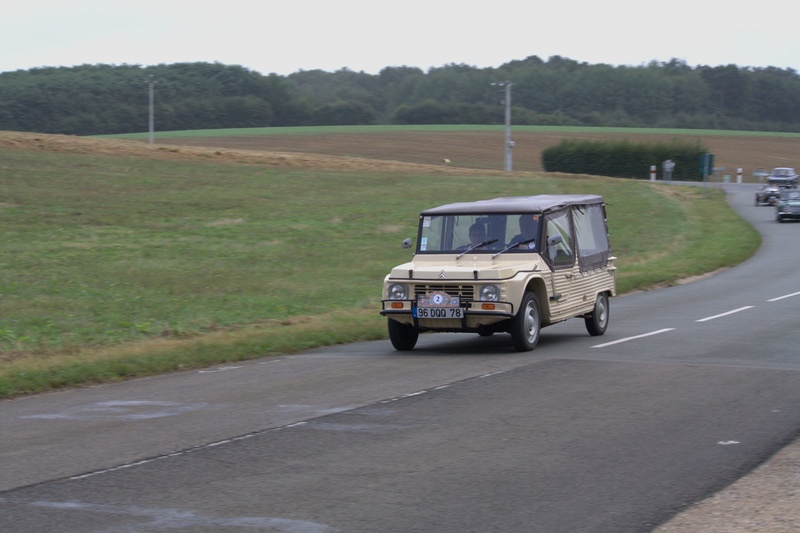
{"x":218,"y":150}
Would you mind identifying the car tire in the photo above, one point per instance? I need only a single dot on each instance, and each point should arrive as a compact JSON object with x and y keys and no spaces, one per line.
{"x":403,"y":336}
{"x":526,"y":325}
{"x":597,"y":321}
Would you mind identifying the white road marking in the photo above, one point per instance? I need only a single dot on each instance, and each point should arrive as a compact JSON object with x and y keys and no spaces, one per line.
{"x":181,"y":519}
{"x":706,"y":319}
{"x":626,"y":339}
{"x":123,"y":410}
{"x":784,"y":296}
{"x":218,"y":369}
{"x":186,"y":452}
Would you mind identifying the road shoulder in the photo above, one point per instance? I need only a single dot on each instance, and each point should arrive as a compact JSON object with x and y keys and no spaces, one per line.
{"x":765,"y":501}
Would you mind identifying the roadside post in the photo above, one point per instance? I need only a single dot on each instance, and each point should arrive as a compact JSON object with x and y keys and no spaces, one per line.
{"x":652,"y":173}
{"x":739,"y":175}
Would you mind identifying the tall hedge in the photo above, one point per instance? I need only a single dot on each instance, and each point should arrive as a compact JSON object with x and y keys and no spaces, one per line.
{"x":624,"y":159}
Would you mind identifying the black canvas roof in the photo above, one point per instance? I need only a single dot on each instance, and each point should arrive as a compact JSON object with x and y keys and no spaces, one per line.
{"x":516,"y":204}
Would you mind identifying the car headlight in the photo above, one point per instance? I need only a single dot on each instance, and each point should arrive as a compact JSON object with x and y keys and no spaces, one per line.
{"x":398,"y":291}
{"x":489,"y":293}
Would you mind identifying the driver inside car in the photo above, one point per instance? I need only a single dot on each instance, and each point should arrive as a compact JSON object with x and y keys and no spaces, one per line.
{"x":477,"y":235}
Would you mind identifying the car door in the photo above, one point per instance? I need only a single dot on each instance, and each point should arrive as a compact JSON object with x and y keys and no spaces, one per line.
{"x":560,"y":256}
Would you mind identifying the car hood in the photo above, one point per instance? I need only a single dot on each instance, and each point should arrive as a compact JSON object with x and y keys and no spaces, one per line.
{"x":468,"y":268}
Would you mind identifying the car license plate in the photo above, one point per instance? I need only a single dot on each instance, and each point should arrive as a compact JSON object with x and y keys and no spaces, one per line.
{"x":438,"y":312}
{"x":438,"y":304}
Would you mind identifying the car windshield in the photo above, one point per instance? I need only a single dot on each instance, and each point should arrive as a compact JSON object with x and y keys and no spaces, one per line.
{"x":487,"y":232}
{"x":790,"y":195}
{"x":783,"y":172}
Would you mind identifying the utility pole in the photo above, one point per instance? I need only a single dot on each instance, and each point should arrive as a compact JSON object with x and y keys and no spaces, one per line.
{"x":509,"y":144}
{"x":151,"y":113}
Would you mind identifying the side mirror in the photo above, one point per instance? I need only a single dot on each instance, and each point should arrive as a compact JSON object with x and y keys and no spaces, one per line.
{"x":408,"y":243}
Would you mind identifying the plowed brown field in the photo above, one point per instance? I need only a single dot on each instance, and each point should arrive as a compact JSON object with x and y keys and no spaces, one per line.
{"x":481,"y":150}
{"x":409,"y":151}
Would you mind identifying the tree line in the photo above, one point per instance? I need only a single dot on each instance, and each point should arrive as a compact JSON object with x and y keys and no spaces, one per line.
{"x":106,"y":99}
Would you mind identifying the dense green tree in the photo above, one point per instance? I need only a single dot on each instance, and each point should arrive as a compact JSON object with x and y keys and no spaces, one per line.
{"x":96,"y":99}
{"x":428,"y":112}
{"x":777,"y":95}
{"x":398,"y":85}
{"x":344,"y":113}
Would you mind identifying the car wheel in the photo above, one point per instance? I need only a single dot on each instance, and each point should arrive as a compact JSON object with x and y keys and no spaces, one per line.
{"x":403,"y":336}
{"x":779,"y":218}
{"x":527,"y":324}
{"x":597,"y":322}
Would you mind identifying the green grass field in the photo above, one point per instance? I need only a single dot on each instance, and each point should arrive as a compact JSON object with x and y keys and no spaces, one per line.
{"x":116,"y":266}
{"x":321,"y":130}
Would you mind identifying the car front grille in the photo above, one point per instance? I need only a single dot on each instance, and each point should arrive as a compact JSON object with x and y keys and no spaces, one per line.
{"x":466,"y":292}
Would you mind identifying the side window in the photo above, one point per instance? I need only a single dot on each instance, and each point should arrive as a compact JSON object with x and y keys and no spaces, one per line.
{"x":560,"y":255}
{"x":431,"y":233}
{"x":592,"y":236}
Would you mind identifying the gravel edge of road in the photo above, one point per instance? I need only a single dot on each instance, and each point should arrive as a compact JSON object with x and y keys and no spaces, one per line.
{"x":765,"y":501}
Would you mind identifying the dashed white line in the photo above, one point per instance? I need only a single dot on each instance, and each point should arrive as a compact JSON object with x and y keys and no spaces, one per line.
{"x":706,"y":319}
{"x":490,"y":374}
{"x":784,"y":296}
{"x":626,"y":339}
{"x":218,"y":369}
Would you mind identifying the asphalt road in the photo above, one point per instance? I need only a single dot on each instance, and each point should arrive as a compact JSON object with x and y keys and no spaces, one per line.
{"x":690,"y":389}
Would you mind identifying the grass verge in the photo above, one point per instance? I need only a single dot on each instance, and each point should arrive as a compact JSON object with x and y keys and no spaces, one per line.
{"x":116,"y":267}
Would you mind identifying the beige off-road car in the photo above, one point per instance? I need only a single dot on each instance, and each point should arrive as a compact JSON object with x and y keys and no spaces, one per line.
{"x":511,"y":265}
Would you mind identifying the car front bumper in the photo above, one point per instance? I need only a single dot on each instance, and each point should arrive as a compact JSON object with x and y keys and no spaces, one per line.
{"x":477,"y":314}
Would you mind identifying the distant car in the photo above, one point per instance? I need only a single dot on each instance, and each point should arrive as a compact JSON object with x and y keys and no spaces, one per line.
{"x":768,"y":194}
{"x":779,"y":179}
{"x":783,"y":178}
{"x":788,"y":205}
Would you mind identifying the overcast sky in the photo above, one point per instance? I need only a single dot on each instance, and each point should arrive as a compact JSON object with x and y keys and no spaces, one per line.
{"x":286,"y":36}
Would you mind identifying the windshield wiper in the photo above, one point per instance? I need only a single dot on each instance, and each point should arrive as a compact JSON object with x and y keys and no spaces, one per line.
{"x":476,"y":246}
{"x":510,"y":246}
